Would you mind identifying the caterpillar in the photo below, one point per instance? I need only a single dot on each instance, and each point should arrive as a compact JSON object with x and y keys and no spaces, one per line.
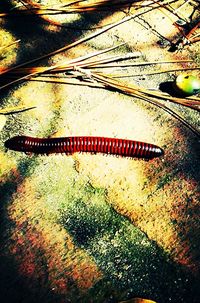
{"x":70,"y":145}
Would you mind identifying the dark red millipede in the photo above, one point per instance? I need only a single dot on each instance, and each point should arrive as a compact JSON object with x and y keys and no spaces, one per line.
{"x":70,"y":145}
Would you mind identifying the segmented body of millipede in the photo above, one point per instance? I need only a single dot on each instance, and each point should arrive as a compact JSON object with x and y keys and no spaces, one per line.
{"x":71,"y":145}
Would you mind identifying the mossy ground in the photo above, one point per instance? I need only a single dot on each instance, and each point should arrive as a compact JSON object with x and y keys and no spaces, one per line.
{"x":94,"y":228}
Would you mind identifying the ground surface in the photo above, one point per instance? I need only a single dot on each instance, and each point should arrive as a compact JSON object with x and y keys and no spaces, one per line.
{"x":91,"y":228}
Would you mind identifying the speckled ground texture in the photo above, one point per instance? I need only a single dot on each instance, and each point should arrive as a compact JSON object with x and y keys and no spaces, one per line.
{"x":93,"y":228}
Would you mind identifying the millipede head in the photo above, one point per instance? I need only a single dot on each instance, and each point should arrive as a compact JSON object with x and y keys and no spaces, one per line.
{"x":159,"y":152}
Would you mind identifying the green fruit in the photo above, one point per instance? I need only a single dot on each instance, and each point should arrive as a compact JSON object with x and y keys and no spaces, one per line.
{"x":187,"y":85}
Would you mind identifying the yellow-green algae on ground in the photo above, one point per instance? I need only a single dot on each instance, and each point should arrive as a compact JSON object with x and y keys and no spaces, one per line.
{"x":8,"y":48}
{"x":91,"y":228}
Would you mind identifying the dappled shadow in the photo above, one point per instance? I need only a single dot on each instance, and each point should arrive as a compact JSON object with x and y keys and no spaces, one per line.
{"x":132,"y":265}
{"x":14,"y":286}
{"x":185,"y":213}
{"x":168,"y":87}
{"x":23,"y":261}
{"x":37,"y":40}
{"x":36,"y":32}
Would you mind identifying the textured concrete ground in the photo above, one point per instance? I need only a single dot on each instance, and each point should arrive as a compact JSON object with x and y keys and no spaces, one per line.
{"x":94,"y":228}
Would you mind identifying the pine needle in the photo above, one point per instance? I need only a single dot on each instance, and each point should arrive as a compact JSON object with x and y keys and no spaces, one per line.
{"x":25,"y":73}
{"x":162,"y":71}
{"x":8,"y":45}
{"x":37,"y":9}
{"x":133,"y":89}
{"x":22,"y":72}
{"x":69,"y":81}
{"x":149,"y":97}
{"x":15,"y":110}
{"x":78,"y":42}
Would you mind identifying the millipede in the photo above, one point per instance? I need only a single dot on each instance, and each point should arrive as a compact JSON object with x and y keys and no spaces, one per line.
{"x":71,"y":145}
